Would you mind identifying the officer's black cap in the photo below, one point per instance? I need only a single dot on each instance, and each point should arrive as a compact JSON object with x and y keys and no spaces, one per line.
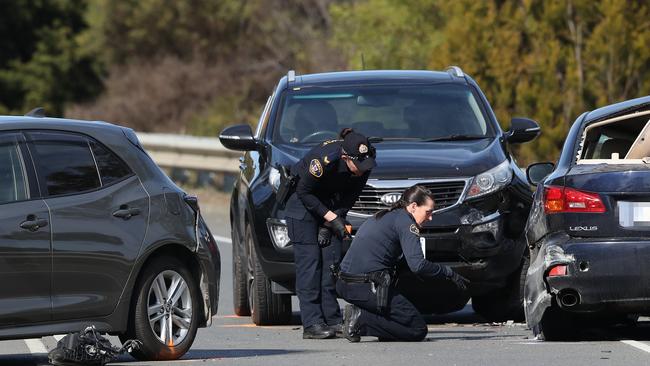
{"x":358,"y":148}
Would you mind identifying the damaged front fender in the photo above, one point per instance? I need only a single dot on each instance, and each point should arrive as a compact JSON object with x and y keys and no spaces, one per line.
{"x":537,"y":294}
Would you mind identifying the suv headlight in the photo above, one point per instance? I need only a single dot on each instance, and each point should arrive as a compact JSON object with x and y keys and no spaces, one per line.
{"x":490,"y":181}
{"x":274,"y":179}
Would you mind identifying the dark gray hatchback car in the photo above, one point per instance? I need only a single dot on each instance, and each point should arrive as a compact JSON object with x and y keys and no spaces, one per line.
{"x":93,"y":232}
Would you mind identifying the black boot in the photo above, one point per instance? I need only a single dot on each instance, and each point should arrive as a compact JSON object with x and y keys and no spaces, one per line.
{"x":318,"y":331}
{"x":351,"y":316}
{"x":338,"y":330}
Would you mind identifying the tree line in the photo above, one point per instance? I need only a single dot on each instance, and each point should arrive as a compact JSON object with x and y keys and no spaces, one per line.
{"x":195,"y":66}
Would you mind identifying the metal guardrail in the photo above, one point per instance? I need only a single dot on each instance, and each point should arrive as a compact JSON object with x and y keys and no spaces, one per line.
{"x":190,"y":152}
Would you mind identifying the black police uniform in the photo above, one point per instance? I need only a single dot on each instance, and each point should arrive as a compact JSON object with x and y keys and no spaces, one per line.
{"x":378,"y":245}
{"x":325,"y":184}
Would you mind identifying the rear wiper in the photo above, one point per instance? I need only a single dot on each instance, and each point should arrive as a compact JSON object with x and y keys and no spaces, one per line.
{"x":456,"y":138}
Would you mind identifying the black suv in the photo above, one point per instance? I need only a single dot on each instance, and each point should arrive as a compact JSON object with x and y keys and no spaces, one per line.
{"x":430,"y":128}
{"x":92,"y":232}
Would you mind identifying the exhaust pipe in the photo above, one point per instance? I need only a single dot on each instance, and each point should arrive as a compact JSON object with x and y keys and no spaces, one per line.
{"x":568,"y":298}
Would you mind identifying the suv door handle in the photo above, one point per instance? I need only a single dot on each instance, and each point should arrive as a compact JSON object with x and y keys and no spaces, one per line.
{"x":126,"y":213}
{"x":33,"y":224}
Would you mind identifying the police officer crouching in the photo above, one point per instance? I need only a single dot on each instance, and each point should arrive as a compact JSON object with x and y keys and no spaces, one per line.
{"x":330,"y":178}
{"x":366,"y":274}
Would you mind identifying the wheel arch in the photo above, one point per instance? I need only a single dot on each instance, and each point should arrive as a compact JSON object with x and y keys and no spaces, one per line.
{"x":184,"y":254}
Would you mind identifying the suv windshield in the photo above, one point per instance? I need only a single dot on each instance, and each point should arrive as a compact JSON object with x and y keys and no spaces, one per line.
{"x":432,"y":112}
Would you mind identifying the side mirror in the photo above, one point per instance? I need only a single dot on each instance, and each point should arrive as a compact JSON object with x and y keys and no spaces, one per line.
{"x":538,"y":171}
{"x":522,"y":130}
{"x":238,"y":137}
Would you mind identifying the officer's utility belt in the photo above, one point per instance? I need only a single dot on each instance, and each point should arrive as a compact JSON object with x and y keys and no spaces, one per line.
{"x":380,"y":282}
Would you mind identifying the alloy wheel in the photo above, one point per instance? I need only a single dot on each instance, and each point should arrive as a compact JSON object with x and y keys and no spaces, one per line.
{"x":250,"y":272}
{"x":170,"y":308}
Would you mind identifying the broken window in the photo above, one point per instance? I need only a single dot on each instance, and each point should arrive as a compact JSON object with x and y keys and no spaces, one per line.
{"x":620,"y":140}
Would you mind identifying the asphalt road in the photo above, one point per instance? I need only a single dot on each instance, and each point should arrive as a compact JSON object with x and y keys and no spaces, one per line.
{"x":460,"y":338}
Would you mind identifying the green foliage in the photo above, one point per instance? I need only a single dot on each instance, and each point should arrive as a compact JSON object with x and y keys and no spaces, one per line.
{"x":195,"y":66}
{"x":222,"y":113}
{"x":386,"y":34}
{"x":41,"y":62}
{"x":216,"y":61}
{"x":548,"y":60}
{"x":134,"y":29}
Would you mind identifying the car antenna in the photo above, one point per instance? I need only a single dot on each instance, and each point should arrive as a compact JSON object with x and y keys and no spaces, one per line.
{"x":38,"y":112}
{"x":363,"y":62}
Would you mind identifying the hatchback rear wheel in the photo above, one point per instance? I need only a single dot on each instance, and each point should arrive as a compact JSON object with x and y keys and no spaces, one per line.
{"x":167,"y":311}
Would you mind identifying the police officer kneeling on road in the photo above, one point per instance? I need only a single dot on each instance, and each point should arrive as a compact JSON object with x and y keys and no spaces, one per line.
{"x":330,"y":178}
{"x":366,"y":276}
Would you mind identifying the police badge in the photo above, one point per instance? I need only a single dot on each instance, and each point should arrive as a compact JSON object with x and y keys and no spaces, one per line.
{"x":315,"y":168}
{"x":414,"y":229}
{"x":363,"y":149}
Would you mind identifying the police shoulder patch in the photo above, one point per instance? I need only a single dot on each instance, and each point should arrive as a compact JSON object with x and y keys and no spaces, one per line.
{"x":315,"y":168}
{"x":414,"y":229}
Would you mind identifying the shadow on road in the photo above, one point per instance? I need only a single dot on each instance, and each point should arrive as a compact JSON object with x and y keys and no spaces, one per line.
{"x":592,"y":333}
{"x":23,"y":360}
{"x":211,"y":354}
{"x":463,"y":316}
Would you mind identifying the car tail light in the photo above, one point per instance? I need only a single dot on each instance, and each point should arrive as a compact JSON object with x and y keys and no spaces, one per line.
{"x":563,"y":199}
{"x":557,"y":271}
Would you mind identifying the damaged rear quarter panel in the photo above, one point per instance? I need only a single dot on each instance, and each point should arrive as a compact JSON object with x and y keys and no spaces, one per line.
{"x":537,"y":293}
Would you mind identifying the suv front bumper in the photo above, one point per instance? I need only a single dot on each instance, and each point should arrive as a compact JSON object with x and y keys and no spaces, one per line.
{"x":475,"y":238}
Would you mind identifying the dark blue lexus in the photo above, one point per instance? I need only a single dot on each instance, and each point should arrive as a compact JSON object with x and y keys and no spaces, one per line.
{"x":589,"y":225}
{"x":434,"y":129}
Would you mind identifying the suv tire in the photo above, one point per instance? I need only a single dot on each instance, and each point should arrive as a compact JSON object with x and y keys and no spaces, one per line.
{"x":158,"y":277}
{"x":266,"y":307}
{"x":506,"y":303}
{"x":239,"y":277}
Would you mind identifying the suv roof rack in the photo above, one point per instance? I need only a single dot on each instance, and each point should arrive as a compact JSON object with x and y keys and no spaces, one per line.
{"x":455,"y":71}
{"x":38,"y":112}
{"x":291,"y":76}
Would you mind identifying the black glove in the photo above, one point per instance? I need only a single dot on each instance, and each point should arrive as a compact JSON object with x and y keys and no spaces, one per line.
{"x":338,"y":227}
{"x":341,"y":212}
{"x":324,"y":237}
{"x":460,"y":281}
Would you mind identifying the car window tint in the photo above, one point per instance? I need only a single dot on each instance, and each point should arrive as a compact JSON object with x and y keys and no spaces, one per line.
{"x":13,"y":182}
{"x":111,"y":168}
{"x":313,"y":115}
{"x":65,"y":162}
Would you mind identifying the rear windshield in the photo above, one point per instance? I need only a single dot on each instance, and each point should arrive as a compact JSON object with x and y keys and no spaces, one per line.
{"x":313,"y":115}
{"x":620,"y":140}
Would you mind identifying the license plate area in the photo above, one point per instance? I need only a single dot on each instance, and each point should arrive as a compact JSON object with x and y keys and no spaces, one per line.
{"x":633,"y":214}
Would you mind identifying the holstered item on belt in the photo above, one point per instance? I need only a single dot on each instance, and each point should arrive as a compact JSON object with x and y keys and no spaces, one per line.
{"x":288,"y":183}
{"x":380,"y":281}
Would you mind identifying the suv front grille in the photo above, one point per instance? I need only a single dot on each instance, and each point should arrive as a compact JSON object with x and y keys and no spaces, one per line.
{"x":447,"y":194}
